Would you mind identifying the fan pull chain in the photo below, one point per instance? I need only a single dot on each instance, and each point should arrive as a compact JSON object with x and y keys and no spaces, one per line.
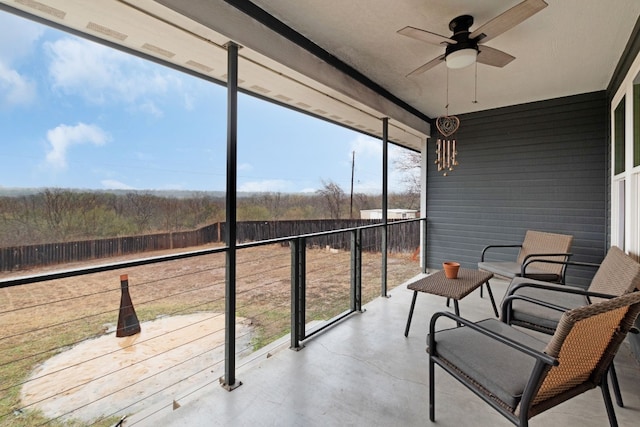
{"x":475,"y":86}
{"x":447,"y":105}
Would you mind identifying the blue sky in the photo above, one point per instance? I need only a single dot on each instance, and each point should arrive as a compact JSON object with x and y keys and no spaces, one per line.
{"x":74,"y":114}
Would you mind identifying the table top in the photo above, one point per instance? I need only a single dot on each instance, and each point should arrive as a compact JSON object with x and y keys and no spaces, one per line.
{"x":437,"y":283}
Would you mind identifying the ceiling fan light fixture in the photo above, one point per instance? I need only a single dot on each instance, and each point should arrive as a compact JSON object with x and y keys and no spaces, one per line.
{"x":461,"y":58}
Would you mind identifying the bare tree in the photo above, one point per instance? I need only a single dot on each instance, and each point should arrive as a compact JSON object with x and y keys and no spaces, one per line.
{"x":170,"y":211}
{"x":142,"y":207}
{"x":409,"y":165}
{"x":366,"y":201}
{"x":58,"y":206}
{"x":333,"y":196}
{"x":274,"y":203}
{"x":19,"y":221}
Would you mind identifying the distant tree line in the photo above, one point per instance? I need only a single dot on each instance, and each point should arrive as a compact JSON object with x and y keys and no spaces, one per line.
{"x":62,"y":215}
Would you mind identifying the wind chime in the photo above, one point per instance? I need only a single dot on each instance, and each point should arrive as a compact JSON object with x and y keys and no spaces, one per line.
{"x":446,"y":150}
{"x":446,"y":147}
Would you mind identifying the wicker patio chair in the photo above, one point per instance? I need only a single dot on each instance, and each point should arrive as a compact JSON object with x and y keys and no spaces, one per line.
{"x":616,"y":275}
{"x":521,"y":376}
{"x":536,"y":245}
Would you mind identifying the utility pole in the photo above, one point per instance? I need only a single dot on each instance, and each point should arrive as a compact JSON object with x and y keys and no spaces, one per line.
{"x":353,"y":164}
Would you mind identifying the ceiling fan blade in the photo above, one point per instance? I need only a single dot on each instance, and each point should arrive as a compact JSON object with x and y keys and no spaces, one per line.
{"x":425,"y":36}
{"x":507,"y":20}
{"x":429,"y":65}
{"x":490,"y":56}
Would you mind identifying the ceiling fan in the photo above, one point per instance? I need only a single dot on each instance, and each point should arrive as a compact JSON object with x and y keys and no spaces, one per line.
{"x":464,"y":48}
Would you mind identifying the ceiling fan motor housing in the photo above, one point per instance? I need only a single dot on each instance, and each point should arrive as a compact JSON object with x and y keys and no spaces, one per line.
{"x":460,"y":27}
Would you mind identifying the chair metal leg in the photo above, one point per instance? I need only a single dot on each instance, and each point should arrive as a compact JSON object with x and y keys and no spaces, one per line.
{"x":615,"y":385}
{"x":493,"y":302}
{"x":456,"y":309}
{"x":413,"y":304}
{"x":432,"y":391}
{"x":604,"y":386}
{"x":524,"y":420}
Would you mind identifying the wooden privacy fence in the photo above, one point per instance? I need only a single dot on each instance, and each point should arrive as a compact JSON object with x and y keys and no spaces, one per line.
{"x":402,"y":237}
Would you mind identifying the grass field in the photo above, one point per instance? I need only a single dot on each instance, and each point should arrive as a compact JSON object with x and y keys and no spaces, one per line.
{"x":43,"y":319}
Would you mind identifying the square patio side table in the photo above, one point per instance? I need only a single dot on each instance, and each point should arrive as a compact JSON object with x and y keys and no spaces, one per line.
{"x":437,"y":283}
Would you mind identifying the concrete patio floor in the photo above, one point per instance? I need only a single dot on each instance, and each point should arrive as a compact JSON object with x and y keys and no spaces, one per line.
{"x":364,"y":372}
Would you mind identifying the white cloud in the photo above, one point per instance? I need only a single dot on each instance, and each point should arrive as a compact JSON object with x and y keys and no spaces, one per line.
{"x":15,"y":89}
{"x":269,"y":185}
{"x":364,"y":145}
{"x":150,"y":108}
{"x":103,"y":75}
{"x":21,"y":37}
{"x":189,"y":101}
{"x":63,"y":137}
{"x":113,"y":184}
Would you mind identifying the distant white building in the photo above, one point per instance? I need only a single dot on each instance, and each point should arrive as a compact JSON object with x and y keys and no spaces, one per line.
{"x":391,"y":213}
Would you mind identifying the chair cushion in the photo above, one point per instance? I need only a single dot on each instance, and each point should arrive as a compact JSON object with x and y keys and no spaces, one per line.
{"x":511,"y":269}
{"x":500,"y":369}
{"x":539,"y":317}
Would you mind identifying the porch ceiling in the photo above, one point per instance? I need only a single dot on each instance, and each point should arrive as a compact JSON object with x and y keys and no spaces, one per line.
{"x":570,"y":47}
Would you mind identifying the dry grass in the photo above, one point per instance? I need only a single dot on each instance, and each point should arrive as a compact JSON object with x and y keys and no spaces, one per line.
{"x":40,"y":320}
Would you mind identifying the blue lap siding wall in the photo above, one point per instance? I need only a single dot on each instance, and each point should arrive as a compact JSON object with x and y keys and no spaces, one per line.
{"x":540,"y":166}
